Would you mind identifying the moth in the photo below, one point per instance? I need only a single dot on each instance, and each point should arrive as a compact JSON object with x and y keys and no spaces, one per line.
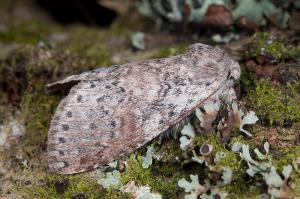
{"x":110,"y":112}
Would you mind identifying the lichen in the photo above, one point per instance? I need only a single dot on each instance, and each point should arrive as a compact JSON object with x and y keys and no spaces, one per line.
{"x":174,"y":12}
{"x":285,"y":156}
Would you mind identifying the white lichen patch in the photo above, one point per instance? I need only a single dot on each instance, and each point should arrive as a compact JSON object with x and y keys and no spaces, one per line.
{"x":206,"y":119}
{"x":249,"y":118}
{"x":193,"y":188}
{"x":277,"y":184}
{"x":147,"y":160}
{"x":111,"y":180}
{"x":188,"y":133}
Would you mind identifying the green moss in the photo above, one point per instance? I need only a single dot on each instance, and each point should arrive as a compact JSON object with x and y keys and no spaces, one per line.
{"x":277,"y":104}
{"x":37,"y":109}
{"x":231,"y":158}
{"x":115,"y":194}
{"x":242,"y":190}
{"x":247,"y":78}
{"x":158,"y":180}
{"x":77,"y":184}
{"x":240,"y":184}
{"x":264,"y":44}
{"x":295,"y":176}
{"x":284,"y":157}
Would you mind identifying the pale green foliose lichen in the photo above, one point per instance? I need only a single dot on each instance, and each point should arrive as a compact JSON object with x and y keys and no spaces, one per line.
{"x":147,"y":160}
{"x":111,"y":180}
{"x":174,"y":11}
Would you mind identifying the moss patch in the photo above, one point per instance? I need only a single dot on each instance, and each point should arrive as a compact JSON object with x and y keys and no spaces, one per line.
{"x":275,"y":103}
{"x":158,"y":176}
{"x":75,"y":185}
{"x":267,"y":46}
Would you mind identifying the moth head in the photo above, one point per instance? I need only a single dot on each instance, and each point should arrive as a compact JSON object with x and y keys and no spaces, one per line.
{"x":235,"y":70}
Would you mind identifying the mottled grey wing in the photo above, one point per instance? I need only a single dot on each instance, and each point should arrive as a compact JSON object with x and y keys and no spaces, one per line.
{"x":112,"y":112}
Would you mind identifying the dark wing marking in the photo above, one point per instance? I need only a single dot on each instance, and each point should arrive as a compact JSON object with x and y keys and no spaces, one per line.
{"x":113,"y":112}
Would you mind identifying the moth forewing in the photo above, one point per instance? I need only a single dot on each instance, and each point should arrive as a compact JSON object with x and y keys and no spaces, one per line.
{"x":112,"y":112}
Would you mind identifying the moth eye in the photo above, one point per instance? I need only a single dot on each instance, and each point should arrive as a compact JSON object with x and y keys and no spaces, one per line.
{"x":207,"y":83}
